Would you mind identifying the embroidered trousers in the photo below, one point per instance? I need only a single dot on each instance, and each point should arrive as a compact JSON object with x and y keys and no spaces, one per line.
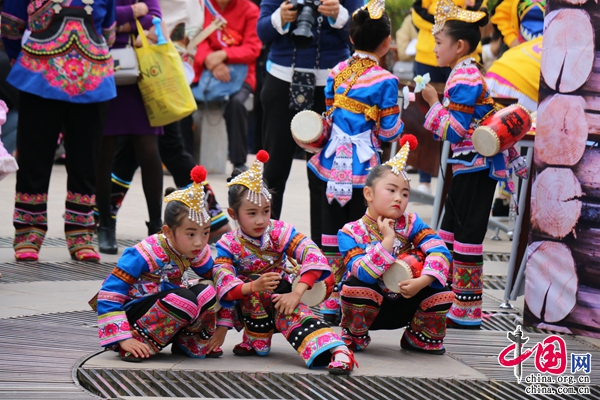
{"x":463,"y":228}
{"x":309,"y":336}
{"x":334,"y":217}
{"x":40,"y":123}
{"x":365,"y":307}
{"x":185,"y":317}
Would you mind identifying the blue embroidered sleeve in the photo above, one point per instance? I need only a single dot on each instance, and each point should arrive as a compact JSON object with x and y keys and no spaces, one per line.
{"x":437,"y":256}
{"x":391,"y":126}
{"x":453,"y":122}
{"x":368,"y":266}
{"x":113,"y":325}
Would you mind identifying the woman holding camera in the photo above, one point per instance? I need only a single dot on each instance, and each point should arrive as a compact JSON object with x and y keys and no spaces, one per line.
{"x":307,"y":38}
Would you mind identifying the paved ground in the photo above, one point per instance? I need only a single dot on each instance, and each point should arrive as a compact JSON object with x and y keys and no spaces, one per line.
{"x":384,"y":358}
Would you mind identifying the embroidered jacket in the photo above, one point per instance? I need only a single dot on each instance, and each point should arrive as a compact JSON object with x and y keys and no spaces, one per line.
{"x":149,"y":267}
{"x":376,"y":89}
{"x":71,"y":64}
{"x":366,"y":259}
{"x":239,"y":255}
{"x":466,"y":101}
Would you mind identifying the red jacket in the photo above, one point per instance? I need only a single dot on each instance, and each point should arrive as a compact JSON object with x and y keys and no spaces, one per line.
{"x":241,"y":17}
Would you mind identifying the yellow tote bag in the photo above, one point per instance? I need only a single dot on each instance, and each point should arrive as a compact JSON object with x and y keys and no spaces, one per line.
{"x":165,"y":91}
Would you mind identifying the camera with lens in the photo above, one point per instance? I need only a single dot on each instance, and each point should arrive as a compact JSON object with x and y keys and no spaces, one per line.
{"x":302,"y":35}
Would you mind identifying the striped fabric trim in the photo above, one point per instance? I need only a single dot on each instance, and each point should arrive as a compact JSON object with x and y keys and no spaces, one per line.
{"x":183,"y":304}
{"x":468,"y":249}
{"x":329,"y":240}
{"x":350,"y":254}
{"x":124,"y":276}
{"x":422,"y":235}
{"x":446,"y":236}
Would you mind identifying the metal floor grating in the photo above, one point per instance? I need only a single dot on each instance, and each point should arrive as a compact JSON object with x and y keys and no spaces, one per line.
{"x":6,"y":241}
{"x":38,"y":353}
{"x":235,"y":385}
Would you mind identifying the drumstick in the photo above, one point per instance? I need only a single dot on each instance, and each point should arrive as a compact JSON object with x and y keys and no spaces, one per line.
{"x":295,"y":266}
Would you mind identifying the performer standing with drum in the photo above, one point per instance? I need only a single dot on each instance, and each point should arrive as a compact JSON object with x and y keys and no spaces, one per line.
{"x":381,"y":253}
{"x":362,"y":111}
{"x":467,"y":208}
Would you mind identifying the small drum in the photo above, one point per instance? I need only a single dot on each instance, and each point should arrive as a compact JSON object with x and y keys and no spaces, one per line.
{"x":207,"y":282}
{"x":307,"y":130}
{"x":408,"y":265}
{"x":319,"y":292}
{"x":501,"y":130}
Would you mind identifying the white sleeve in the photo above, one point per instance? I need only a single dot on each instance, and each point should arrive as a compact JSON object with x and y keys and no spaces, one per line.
{"x":341,"y":20}
{"x":276,"y":21}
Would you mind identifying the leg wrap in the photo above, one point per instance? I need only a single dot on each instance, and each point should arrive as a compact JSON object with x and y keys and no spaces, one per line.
{"x":428,"y":326}
{"x":360,"y":306}
{"x":468,"y":289}
{"x":30,"y":220}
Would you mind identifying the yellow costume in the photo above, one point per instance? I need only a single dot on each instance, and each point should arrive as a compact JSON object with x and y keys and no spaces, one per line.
{"x":517,"y":73}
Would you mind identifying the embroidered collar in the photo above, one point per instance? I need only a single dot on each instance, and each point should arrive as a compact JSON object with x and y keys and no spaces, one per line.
{"x":365,"y":54}
{"x":174,"y":255}
{"x":464,"y":60}
{"x":373,"y":228}
{"x":263,"y":242}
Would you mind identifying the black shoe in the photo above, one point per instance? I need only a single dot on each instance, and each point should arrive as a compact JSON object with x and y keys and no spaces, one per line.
{"x":154,"y":226}
{"x":107,"y":239}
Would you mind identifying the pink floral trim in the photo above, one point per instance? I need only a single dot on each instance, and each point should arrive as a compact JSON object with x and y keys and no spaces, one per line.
{"x":85,"y":199}
{"x":37,"y":198}
{"x":468,"y":249}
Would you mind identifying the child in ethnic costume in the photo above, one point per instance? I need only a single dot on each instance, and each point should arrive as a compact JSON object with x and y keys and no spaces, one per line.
{"x":362,"y":111}
{"x":370,"y":245}
{"x":466,"y":101}
{"x":146,"y":303}
{"x":260,"y":247}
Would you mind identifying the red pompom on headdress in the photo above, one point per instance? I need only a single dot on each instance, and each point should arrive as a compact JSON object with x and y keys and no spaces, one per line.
{"x":198,"y":174}
{"x":262,"y":156}
{"x":411,"y":139}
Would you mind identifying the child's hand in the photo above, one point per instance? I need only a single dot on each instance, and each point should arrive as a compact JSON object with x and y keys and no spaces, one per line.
{"x":386,"y":227}
{"x":411,"y":287}
{"x":217,"y":339}
{"x":136,"y":348}
{"x":286,"y":303}
{"x":430,"y":95}
{"x":268,"y":281}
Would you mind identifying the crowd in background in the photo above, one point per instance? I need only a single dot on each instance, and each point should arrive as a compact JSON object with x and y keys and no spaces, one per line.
{"x":92,"y":119}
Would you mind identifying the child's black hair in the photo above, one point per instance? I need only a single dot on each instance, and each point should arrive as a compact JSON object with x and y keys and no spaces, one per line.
{"x":175,"y":211}
{"x":366,"y":33}
{"x":469,"y":32}
{"x":237,"y":191}
{"x":375,"y":173}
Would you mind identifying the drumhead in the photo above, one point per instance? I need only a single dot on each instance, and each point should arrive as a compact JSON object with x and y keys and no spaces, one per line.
{"x":399,"y":271}
{"x":315,"y":296}
{"x":486,"y":141}
{"x":211,"y":283}
{"x":307,"y":126}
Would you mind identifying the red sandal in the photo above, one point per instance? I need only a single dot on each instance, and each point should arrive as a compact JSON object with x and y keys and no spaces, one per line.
{"x":342,"y":367}
{"x":29,"y":255}
{"x":87,"y":256}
